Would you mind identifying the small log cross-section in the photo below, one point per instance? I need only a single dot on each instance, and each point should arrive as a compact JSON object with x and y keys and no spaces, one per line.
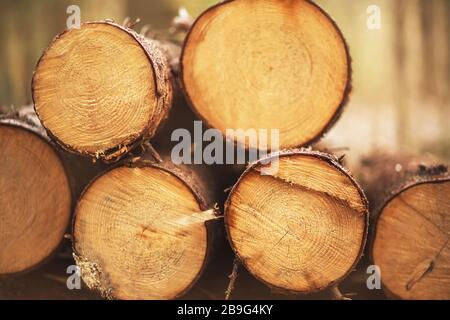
{"x":102,"y":89}
{"x":35,"y":197}
{"x":267,"y":64}
{"x":301,"y":229}
{"x":140,"y":233}
{"x":411,"y":235}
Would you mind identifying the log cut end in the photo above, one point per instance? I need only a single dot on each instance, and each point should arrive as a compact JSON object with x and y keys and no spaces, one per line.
{"x":139,"y":233}
{"x":100,"y":88}
{"x":267,"y":65}
{"x":412,"y":242}
{"x":35,"y":199}
{"x":301,"y":229}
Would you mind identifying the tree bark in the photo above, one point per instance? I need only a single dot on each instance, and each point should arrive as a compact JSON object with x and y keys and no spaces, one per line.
{"x":249,"y":46}
{"x":171,"y":217}
{"x":281,"y":223}
{"x":102,"y":90}
{"x":411,"y":229}
{"x":60,"y":177}
{"x":36,"y":198}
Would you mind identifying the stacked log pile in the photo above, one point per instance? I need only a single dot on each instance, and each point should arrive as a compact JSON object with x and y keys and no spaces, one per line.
{"x":145,"y":228}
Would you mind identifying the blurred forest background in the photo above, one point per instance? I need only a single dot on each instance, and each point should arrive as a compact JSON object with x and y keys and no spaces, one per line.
{"x":401,"y":76}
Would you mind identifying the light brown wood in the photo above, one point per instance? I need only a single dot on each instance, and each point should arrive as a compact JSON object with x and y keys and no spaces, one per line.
{"x":301,"y":229}
{"x":35,"y":198}
{"x":412,"y":242}
{"x":139,"y":233}
{"x":102,"y":89}
{"x":410,"y":207}
{"x":267,"y":64}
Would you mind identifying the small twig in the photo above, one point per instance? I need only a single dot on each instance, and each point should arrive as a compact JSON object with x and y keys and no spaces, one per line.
{"x":135,"y":23}
{"x":115,"y":155}
{"x":54,"y":277}
{"x":148,"y":147}
{"x":233,"y":276}
{"x":128,"y":24}
{"x":337,"y":295}
{"x":182,"y":22}
{"x":228,"y":189}
{"x":135,"y":159}
{"x":145,"y":30}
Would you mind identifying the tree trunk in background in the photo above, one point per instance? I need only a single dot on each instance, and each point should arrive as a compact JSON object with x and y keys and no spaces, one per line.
{"x":400,"y":54}
{"x":422,"y":60}
{"x":429,"y":119}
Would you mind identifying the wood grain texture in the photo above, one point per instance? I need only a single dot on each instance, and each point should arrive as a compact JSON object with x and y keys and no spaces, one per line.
{"x":412,"y":242}
{"x":139,"y":232}
{"x":301,"y":229}
{"x":411,"y":230}
{"x":257,"y":64}
{"x":35,"y":201}
{"x":102,"y":89}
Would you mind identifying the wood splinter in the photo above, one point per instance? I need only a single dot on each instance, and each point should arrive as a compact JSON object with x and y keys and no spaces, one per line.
{"x":140,"y":233}
{"x":301,"y":229}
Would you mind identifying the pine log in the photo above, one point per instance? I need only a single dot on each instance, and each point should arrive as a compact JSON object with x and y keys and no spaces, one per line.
{"x":103,"y":89}
{"x":141,"y":231}
{"x":411,"y":230}
{"x":267,"y":64}
{"x":35,"y":201}
{"x":300,"y":229}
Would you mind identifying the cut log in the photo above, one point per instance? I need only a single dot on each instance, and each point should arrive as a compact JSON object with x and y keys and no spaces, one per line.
{"x":140,"y":233}
{"x":411,"y":233}
{"x":302,"y":228}
{"x":267,"y":65}
{"x":102,"y":89}
{"x":35,"y":201}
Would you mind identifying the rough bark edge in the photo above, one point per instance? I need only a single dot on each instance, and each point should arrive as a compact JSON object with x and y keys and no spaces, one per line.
{"x":95,"y":276}
{"x":395,"y":191}
{"x":22,"y":122}
{"x":339,"y":110}
{"x":331,"y":160}
{"x":163,"y":82}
